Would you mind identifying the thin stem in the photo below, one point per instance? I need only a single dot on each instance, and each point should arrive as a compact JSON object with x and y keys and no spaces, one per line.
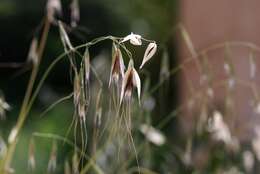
{"x":23,"y":114}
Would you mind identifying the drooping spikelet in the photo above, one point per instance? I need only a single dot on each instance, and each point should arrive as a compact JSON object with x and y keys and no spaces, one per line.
{"x":149,"y":52}
{"x":131,"y":79}
{"x":117,"y":66}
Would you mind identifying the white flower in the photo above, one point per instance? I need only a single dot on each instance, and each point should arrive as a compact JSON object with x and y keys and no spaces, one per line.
{"x":153,"y":135}
{"x":135,"y":39}
{"x":149,"y":52}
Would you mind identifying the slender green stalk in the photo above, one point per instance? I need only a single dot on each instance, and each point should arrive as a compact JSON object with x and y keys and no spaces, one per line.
{"x":23,"y":114}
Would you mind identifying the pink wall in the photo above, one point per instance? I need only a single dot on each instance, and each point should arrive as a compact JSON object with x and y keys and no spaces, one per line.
{"x":208,"y":23}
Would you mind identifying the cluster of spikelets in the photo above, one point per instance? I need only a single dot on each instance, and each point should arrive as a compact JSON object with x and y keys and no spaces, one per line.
{"x":124,"y":80}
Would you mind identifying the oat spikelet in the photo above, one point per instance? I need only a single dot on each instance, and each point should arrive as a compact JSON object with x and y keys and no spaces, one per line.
{"x":131,"y":79}
{"x":149,"y":53}
{"x":117,"y":66}
{"x":87,"y":64}
{"x":65,"y":38}
{"x":32,"y":54}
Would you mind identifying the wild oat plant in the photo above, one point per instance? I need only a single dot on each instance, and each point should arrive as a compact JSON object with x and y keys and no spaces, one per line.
{"x":111,"y":130}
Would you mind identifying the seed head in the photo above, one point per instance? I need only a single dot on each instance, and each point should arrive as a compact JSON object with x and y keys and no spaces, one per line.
{"x":65,"y":38}
{"x":117,"y":66}
{"x":131,"y":79}
{"x":149,"y":52}
{"x":87,"y":64}
{"x":32,"y":55}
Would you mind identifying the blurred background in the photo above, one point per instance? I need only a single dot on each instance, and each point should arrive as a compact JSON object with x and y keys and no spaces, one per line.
{"x":200,"y":90}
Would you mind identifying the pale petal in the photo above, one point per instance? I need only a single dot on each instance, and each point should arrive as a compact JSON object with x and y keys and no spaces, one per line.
{"x":149,"y":52}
